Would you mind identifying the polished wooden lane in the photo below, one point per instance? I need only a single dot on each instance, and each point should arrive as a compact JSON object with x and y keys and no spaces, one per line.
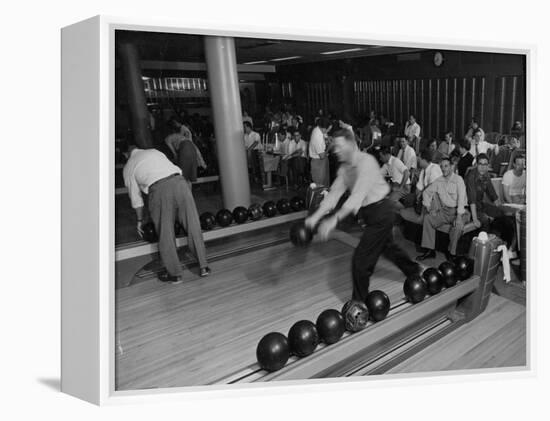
{"x":206,"y":330}
{"x":496,"y":338}
{"x":200,"y":331}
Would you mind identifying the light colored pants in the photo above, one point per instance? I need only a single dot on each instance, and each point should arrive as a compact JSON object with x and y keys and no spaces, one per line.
{"x":320,"y":171}
{"x":169,"y":199}
{"x":440,"y":215}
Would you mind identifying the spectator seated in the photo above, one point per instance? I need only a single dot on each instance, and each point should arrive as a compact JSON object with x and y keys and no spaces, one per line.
{"x":412,"y":230}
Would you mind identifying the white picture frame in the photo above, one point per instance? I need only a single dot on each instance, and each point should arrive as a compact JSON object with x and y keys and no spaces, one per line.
{"x":88,"y":247}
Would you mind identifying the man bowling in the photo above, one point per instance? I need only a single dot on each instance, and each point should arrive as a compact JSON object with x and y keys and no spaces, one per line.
{"x":360,"y":174}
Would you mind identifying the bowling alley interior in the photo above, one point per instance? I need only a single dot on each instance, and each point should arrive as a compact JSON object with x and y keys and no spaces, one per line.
{"x":245,"y":128}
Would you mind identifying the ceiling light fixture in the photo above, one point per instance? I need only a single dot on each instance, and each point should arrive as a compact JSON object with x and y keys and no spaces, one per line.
{"x":349,"y":50}
{"x":256,"y":62}
{"x":285,"y":58}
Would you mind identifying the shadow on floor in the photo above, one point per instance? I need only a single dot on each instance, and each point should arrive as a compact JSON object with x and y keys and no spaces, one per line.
{"x":52,"y":383}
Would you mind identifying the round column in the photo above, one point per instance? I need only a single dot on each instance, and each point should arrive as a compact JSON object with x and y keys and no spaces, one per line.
{"x":223,"y":84}
{"x":136,"y":95}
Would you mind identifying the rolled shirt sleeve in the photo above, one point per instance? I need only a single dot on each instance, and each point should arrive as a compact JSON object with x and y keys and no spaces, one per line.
{"x":397,"y":169}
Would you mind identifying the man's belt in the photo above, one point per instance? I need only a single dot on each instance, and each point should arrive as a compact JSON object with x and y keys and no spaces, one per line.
{"x":163,"y":179}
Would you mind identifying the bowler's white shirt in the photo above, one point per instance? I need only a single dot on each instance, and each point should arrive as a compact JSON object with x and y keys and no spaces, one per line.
{"x":145,"y":167}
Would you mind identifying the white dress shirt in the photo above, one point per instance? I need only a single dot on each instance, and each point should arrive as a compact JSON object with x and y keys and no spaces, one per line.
{"x":145,"y":167}
{"x":515,"y":183}
{"x":427,"y":176}
{"x":482,"y":147}
{"x":412,"y":130}
{"x":293,"y":147}
{"x":408,"y":157}
{"x":250,"y":138}
{"x":395,"y":169}
{"x":316,"y":143}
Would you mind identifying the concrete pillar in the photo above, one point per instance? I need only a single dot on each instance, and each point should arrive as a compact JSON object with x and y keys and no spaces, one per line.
{"x":223,"y":84}
{"x":136,"y":95}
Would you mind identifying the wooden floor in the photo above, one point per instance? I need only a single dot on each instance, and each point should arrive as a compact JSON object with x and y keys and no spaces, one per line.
{"x":198,"y":332}
{"x":495,"y":339}
{"x":203,"y":330}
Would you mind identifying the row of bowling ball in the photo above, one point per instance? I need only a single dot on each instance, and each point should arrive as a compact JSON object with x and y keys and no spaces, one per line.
{"x":432,"y":280}
{"x":274,"y":349}
{"x":240,"y":214}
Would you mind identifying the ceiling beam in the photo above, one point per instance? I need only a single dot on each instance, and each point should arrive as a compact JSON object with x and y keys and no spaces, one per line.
{"x":183,"y":65}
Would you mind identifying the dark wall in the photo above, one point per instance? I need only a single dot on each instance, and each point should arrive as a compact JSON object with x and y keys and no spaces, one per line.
{"x":489,"y":86}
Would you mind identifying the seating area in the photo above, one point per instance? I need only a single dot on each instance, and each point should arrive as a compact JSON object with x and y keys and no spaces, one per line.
{"x":412,"y":231}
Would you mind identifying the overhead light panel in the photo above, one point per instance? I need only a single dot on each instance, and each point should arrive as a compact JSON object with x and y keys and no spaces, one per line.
{"x":256,"y":62}
{"x":285,"y":58}
{"x":349,"y":50}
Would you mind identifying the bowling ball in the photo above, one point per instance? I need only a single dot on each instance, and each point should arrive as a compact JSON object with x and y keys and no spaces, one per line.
{"x":303,"y":338}
{"x":331,"y":326}
{"x":464,"y":267}
{"x":269,"y":209}
{"x":240,"y":214}
{"x":300,"y":235}
{"x":434,"y":280}
{"x":415,"y":288}
{"x":447,"y":270}
{"x":297,"y":203}
{"x":208,"y":221}
{"x":356,"y":315}
{"x":149,"y":233}
{"x":283,"y":206}
{"x":378,"y":304}
{"x":273,"y":351}
{"x":224,"y":218}
{"x":255,"y":212}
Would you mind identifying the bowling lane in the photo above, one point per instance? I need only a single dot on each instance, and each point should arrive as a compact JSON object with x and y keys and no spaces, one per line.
{"x":496,"y":338}
{"x":200,"y":331}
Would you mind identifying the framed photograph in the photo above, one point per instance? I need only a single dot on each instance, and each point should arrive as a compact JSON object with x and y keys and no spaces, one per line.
{"x":249,"y":210}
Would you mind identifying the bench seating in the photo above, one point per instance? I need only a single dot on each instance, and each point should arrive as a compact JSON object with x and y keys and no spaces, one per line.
{"x":412,"y":230}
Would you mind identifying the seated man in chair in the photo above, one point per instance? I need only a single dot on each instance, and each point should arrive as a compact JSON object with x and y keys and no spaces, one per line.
{"x":428,"y":174}
{"x":397,"y":172}
{"x":448,"y":206}
{"x":482,"y":197}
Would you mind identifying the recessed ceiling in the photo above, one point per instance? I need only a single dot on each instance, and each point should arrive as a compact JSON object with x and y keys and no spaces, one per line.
{"x":189,"y":48}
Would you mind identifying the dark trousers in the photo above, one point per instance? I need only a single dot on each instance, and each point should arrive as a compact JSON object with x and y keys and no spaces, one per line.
{"x":377,"y":239}
{"x":187,"y":160}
